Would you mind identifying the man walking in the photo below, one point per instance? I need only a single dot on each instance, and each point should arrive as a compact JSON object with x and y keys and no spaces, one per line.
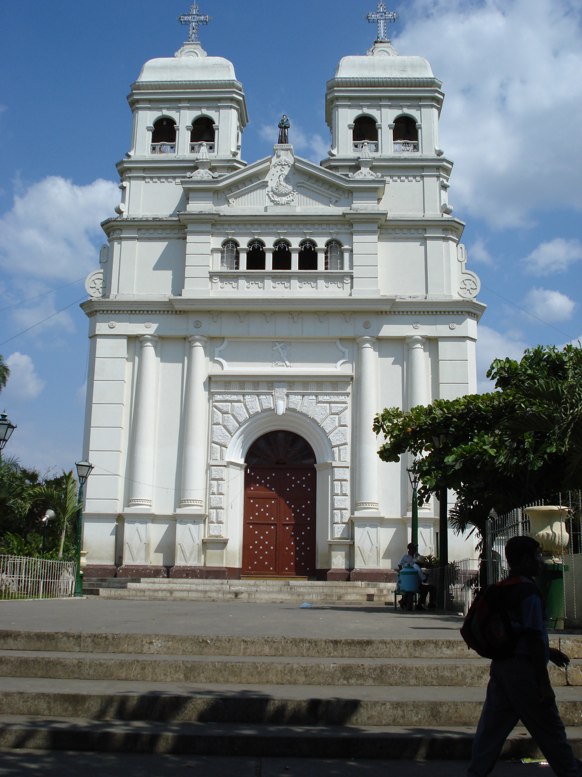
{"x":519,"y":686}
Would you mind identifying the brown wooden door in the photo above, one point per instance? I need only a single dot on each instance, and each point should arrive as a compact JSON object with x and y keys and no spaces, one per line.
{"x":279,"y":511}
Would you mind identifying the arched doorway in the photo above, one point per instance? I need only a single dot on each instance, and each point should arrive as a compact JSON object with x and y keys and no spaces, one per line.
{"x":279,"y":507}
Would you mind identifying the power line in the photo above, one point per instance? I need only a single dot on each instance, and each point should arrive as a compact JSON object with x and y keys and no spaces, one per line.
{"x":42,"y":294}
{"x":47,"y":318}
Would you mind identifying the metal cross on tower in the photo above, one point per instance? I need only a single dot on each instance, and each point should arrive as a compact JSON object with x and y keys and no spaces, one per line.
{"x":381,"y":16}
{"x":194,"y":19}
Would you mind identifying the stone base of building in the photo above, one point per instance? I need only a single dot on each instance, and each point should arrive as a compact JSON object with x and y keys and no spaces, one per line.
{"x":335,"y":575}
{"x":137,"y":570}
{"x":100,"y":570}
{"x":374,"y":575}
{"x":204,"y":573}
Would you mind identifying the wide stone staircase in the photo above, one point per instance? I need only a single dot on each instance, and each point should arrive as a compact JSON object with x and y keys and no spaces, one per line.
{"x":247,"y":590}
{"x":247,"y":696}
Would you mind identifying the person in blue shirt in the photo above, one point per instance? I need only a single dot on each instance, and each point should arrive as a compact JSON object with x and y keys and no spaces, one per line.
{"x":519,"y":686}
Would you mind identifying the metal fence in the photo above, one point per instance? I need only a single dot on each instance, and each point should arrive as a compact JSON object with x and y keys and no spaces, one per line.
{"x":563,"y":578}
{"x":462,"y":581}
{"x":36,"y":578}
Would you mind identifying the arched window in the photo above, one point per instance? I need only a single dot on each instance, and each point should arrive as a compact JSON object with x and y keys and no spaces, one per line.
{"x":307,"y":255}
{"x":164,"y":136}
{"x":333,"y":255}
{"x":229,"y":255}
{"x":405,"y":135}
{"x":256,"y":255}
{"x":281,"y":255}
{"x":202,"y":132}
{"x":365,"y":131}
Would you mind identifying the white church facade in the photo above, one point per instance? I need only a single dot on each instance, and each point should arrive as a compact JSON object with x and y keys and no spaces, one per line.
{"x":247,"y":322}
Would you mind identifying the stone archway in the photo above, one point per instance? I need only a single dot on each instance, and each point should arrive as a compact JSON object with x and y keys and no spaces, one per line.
{"x":279,"y":529}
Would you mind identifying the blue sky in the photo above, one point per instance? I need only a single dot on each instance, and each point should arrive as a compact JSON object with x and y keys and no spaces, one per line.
{"x":511,"y":123}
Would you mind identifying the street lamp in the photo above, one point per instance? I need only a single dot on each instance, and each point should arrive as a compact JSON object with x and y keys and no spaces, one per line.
{"x":83,"y":471}
{"x":414,"y":481}
{"x":6,"y":429}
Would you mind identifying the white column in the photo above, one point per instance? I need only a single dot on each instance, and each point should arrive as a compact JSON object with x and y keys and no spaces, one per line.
{"x":295,"y":258}
{"x":417,"y":373}
{"x":142,"y":459}
{"x":366,"y":458}
{"x":242,"y":260}
{"x":195,"y":447}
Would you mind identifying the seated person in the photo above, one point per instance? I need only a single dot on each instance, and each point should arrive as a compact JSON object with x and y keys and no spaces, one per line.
{"x":427,"y":589}
{"x":408,"y":596}
{"x":409,"y":557}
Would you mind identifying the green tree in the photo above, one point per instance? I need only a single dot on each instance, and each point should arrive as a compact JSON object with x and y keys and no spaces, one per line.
{"x":502,"y":449}
{"x":4,"y":373}
{"x":19,"y":522}
{"x":59,"y":495}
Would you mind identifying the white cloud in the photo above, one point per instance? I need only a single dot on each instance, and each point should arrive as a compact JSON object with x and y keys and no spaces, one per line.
{"x":553,"y":256}
{"x":549,"y":305}
{"x":491,"y":345}
{"x":478,"y":252}
{"x":24,"y":384}
{"x":511,"y":73}
{"x":53,"y":228}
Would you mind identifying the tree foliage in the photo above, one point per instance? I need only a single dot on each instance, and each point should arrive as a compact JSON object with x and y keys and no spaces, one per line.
{"x":24,"y":500}
{"x":4,"y":373}
{"x":502,"y":449}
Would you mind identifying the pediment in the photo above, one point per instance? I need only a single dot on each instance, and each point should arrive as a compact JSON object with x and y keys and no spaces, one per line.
{"x":284,"y":180}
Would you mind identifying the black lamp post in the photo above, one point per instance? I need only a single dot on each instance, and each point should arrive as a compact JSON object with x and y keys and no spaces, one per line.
{"x":414,"y":481}
{"x":83,"y":471}
{"x":6,"y":429}
{"x":442,"y":596}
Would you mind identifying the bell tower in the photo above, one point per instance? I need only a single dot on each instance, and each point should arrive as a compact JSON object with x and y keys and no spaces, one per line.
{"x":382,"y":105}
{"x":185,"y":108}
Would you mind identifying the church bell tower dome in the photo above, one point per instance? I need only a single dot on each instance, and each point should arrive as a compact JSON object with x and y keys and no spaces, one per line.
{"x":187,"y":106}
{"x":383,"y":105}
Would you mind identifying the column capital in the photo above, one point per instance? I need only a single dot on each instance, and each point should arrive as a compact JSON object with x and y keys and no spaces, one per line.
{"x":197,"y":340}
{"x":367,"y":341}
{"x":148,"y":339}
{"x":416,"y":341}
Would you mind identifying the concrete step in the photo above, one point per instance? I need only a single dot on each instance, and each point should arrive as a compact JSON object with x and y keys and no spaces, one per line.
{"x":247,"y":739}
{"x":263,"y":704}
{"x":261,"y":696}
{"x":238,"y":646}
{"x":246,"y":670}
{"x":230,"y":645}
{"x":244,"y":590}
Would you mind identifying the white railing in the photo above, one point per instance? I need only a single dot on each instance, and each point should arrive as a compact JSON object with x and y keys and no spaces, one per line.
{"x":36,"y":578}
{"x":282,"y":282}
{"x":163,"y":148}
{"x":405,"y":146}
{"x":196,"y":147}
{"x":370,"y":145}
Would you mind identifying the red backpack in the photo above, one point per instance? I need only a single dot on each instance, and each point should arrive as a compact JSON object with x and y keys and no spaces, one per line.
{"x":487,"y":626}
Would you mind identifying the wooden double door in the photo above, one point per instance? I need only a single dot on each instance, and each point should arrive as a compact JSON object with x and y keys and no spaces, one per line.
{"x":279,"y":507}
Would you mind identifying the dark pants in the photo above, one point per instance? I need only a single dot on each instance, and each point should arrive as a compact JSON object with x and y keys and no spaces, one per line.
{"x":514,"y":694}
{"x":427,"y":590}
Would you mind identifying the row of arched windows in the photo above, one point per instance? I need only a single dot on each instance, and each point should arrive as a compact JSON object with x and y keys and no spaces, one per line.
{"x":365,"y":130}
{"x":256,"y":255}
{"x":404,"y":133}
{"x":164,"y":135}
